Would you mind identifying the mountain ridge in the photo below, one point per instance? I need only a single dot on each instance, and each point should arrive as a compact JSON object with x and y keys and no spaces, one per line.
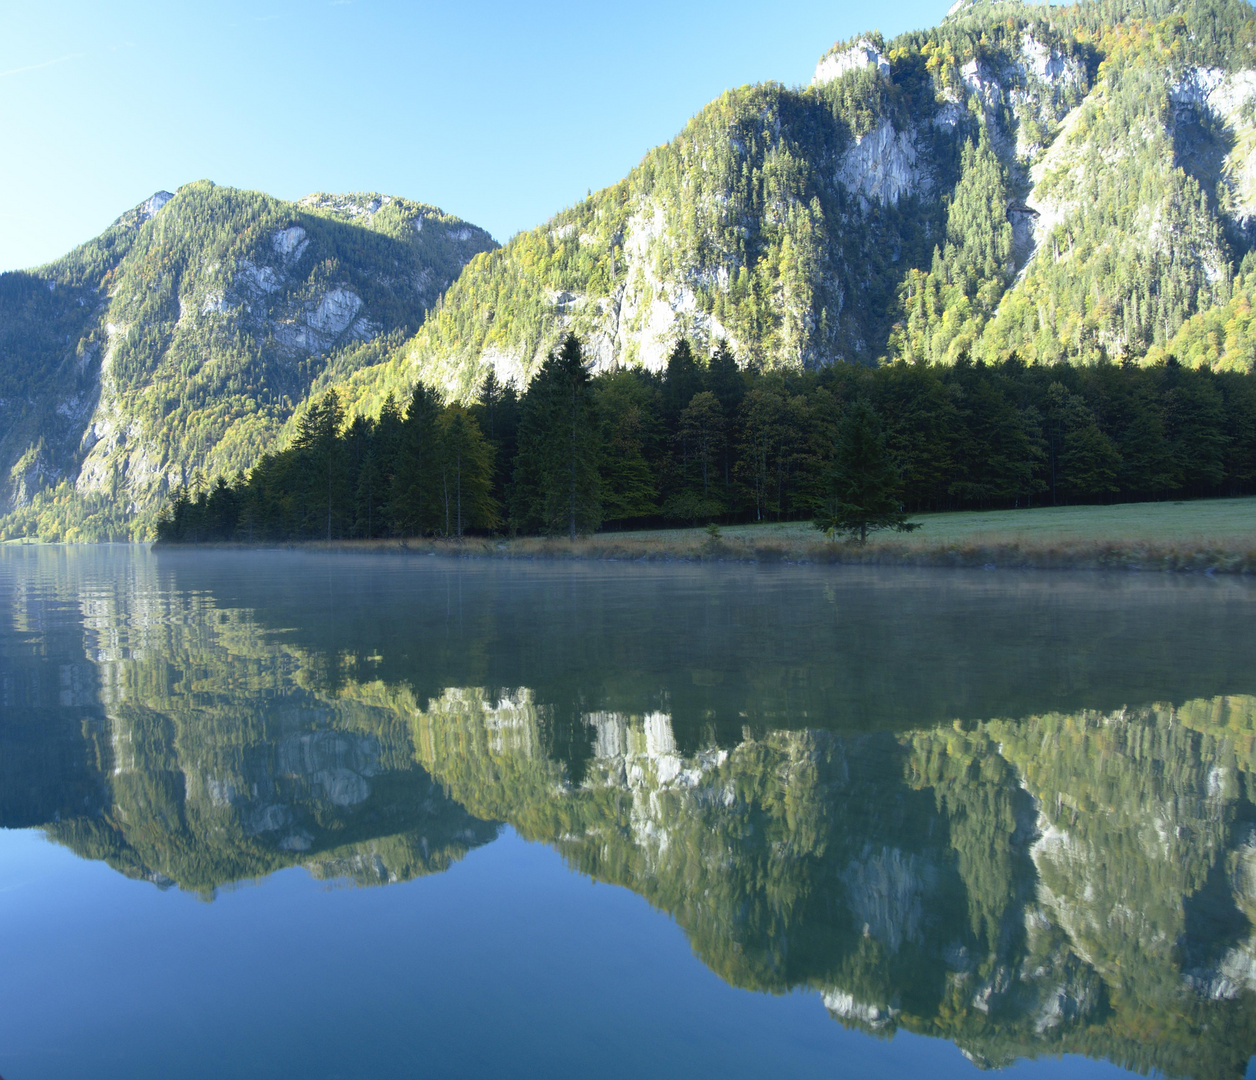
{"x":813,"y":225}
{"x":186,"y":336}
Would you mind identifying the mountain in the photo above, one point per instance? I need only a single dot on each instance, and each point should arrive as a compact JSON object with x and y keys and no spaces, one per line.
{"x":1059,"y":182}
{"x":1053,"y":183}
{"x":184,"y":337}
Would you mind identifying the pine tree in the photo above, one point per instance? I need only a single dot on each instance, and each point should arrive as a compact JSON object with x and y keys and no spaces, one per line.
{"x":414,"y":505}
{"x":376,"y":475}
{"x":498,"y":416}
{"x":627,"y":406}
{"x":320,"y":452}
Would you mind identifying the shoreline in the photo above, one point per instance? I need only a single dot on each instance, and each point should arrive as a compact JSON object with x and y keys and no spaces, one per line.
{"x":1116,"y":554}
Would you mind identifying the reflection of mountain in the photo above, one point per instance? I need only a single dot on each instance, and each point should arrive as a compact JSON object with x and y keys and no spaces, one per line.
{"x":203,"y":793}
{"x":1071,"y":883}
{"x":1068,"y":881}
{"x":188,"y":751}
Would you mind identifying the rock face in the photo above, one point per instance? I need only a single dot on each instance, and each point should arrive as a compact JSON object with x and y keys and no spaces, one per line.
{"x":862,"y":54}
{"x":816,"y":201}
{"x":183,"y":338}
{"x":883,"y":167}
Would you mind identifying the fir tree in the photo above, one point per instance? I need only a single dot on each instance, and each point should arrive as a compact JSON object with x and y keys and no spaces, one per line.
{"x":414,"y":504}
{"x":466,"y":473}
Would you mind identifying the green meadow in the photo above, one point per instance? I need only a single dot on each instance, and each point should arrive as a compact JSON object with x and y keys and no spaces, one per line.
{"x":1206,"y":535}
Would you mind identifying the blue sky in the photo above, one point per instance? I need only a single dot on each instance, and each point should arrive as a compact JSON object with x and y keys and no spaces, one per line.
{"x":501,"y":113}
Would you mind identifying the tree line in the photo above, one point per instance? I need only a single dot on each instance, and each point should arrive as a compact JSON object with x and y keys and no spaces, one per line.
{"x":708,"y":441}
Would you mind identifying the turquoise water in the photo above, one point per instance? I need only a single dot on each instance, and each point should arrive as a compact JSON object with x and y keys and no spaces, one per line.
{"x":271,"y":814}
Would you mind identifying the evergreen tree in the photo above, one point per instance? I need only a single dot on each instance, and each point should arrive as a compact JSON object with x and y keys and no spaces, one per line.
{"x":497,"y":413}
{"x":320,"y":452}
{"x":761,"y":425}
{"x":627,"y":407}
{"x":1000,"y":444}
{"x":415,"y":497}
{"x":702,"y":428}
{"x":699,"y":492}
{"x":726,"y":381}
{"x":863,"y":483}
{"x":466,"y":473}
{"x":970,"y":435}
{"x":557,"y":487}
{"x":681,"y":380}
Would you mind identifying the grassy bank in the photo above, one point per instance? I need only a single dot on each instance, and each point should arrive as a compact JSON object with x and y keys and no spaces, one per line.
{"x":1217,"y":536}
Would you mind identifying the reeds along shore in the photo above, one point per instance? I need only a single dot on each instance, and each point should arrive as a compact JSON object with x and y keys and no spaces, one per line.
{"x":698,"y":545}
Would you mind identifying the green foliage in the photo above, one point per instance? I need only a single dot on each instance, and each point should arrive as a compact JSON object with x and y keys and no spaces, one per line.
{"x":465,"y":461}
{"x":1222,"y":337}
{"x":628,"y":407}
{"x":557,"y":487}
{"x":863,"y":482}
{"x":947,"y":307}
{"x":427,"y":473}
{"x":853,"y":448}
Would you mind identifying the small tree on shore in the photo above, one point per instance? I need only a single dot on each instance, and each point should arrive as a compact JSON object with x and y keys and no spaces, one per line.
{"x":863,"y":483}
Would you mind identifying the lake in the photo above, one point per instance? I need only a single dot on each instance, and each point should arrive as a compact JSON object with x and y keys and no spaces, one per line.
{"x":291,"y":814}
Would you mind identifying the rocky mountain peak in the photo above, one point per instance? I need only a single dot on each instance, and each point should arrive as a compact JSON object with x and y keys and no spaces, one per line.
{"x":145,"y":211}
{"x":842,"y":59}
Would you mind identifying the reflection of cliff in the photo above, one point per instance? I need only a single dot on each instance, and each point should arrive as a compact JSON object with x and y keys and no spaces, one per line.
{"x":1061,"y":884}
{"x":189,"y":750}
{"x":206,"y":796}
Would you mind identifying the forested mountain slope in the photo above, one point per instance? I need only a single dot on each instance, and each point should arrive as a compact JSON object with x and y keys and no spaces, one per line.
{"x":184,"y":337}
{"x":1060,"y":182}
{"x":1055,"y":184}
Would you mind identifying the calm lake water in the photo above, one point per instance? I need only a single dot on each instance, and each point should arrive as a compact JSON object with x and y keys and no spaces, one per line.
{"x":279,"y":814}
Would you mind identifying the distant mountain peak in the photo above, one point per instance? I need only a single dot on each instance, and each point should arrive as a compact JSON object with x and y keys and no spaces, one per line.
{"x":232,"y":308}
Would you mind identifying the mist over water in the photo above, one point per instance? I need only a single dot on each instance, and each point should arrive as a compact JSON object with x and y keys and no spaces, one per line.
{"x":275,"y":811}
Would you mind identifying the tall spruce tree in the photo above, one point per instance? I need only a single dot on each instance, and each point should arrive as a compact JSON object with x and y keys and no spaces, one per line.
{"x":497,"y":413}
{"x":630,"y":432}
{"x":415,"y":503}
{"x":557,"y":486}
{"x":863,"y":483}
{"x":322,"y":466}
{"x":466,"y":473}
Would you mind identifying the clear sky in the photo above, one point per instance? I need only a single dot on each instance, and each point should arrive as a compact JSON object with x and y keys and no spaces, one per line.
{"x":500,"y":112}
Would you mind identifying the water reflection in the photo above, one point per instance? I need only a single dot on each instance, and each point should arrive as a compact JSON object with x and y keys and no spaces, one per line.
{"x":1014,"y":813}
